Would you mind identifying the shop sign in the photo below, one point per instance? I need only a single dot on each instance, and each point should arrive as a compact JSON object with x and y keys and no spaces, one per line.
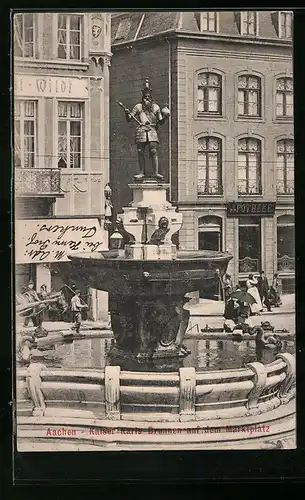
{"x":51,"y":86}
{"x":52,"y":240}
{"x":261,"y":209}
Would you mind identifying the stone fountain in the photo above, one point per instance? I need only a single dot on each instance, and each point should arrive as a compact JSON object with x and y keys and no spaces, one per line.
{"x":148,"y":279}
{"x":144,"y":398}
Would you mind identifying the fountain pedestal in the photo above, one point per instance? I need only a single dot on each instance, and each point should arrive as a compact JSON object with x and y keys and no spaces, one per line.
{"x":141,"y":219}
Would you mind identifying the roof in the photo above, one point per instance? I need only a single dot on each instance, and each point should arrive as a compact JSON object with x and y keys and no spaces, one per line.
{"x":130,"y":26}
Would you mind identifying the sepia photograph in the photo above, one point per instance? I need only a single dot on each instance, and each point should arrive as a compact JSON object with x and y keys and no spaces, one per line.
{"x":154,"y":231}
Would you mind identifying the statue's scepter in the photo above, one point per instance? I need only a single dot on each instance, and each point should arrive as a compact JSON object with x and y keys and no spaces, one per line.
{"x":129,"y":112}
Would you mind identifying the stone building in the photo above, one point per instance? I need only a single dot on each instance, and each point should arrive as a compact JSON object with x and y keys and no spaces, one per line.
{"x":61,"y":144}
{"x":227,"y":150}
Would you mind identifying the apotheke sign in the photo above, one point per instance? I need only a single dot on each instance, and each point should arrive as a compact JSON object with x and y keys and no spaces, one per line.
{"x":262,"y":209}
{"x":51,"y":86}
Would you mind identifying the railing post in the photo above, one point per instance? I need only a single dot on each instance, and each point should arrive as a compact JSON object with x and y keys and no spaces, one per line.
{"x":187,"y":398}
{"x":260,"y":377}
{"x":286,"y":389}
{"x":112,"y":392}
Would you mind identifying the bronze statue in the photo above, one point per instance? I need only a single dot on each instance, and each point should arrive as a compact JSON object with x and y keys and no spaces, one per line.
{"x":158,"y":236}
{"x":148,"y":115}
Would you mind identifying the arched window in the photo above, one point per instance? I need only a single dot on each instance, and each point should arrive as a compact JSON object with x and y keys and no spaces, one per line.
{"x":284,"y":97}
{"x":285,"y":243}
{"x":209,"y":93}
{"x":209,"y":165}
{"x":285,"y":166}
{"x":249,"y":166}
{"x":249,"y":95}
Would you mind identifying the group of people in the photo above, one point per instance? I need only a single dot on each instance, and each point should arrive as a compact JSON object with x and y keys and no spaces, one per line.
{"x":259,"y":289}
{"x":66,"y":306}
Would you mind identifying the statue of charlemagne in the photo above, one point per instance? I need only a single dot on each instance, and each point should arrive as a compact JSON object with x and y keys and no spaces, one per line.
{"x":149,"y":116}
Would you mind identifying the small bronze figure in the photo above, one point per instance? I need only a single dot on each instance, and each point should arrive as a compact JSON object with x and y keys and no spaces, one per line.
{"x":158,"y":236}
{"x":148,"y":115}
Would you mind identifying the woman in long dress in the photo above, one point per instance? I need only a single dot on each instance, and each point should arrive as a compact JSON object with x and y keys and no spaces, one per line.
{"x":251,"y":283}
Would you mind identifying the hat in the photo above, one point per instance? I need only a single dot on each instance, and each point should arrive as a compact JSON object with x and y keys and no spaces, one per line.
{"x":31,"y":282}
{"x":146,"y":90}
{"x":77,"y":291}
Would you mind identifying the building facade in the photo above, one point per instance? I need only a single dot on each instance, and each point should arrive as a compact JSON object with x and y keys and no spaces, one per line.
{"x":228,"y":150}
{"x":61,"y":144}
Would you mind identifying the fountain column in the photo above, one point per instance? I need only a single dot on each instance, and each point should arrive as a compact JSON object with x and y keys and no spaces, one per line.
{"x":142,"y":219}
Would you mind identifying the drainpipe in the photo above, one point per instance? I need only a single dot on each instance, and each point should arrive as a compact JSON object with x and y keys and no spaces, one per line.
{"x":170,"y":120}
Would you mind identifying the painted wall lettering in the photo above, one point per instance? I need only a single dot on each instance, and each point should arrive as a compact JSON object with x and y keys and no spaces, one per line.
{"x":33,"y":86}
{"x":52,"y":240}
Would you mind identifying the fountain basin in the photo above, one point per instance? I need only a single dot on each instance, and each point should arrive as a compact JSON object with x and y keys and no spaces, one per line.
{"x":190,"y":271}
{"x":250,"y":407}
{"x":146,"y":297}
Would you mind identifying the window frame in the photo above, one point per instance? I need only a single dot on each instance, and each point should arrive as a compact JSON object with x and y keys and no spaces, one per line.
{"x":34,"y":29}
{"x":216,"y":21}
{"x":206,"y":99}
{"x":244,"y":18}
{"x":288,"y":14}
{"x":247,"y":90}
{"x":68,"y":44}
{"x":82,"y":135}
{"x":259,"y":166}
{"x":207,"y":166}
{"x":285,"y":169}
{"x":284,"y":116}
{"x":22,"y":120}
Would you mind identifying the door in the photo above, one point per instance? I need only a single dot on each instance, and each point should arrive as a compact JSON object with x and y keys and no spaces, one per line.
{"x":210,"y":240}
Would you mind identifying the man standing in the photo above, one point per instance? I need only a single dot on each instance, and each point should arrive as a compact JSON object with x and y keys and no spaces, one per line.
{"x":76,"y":307}
{"x":36,"y":316}
{"x":148,"y":114}
{"x":263,"y":290}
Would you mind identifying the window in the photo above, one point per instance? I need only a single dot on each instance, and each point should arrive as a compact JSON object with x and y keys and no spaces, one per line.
{"x":209,"y":233}
{"x":249,"y":95}
{"x":209,"y":93}
{"x":249,"y":166}
{"x":284,"y":97}
{"x":285,"y":167}
{"x":249,"y":230}
{"x":285,"y":243}
{"x":24,"y":35}
{"x":249,"y":23}
{"x":209,"y":166}
{"x":208,"y":21}
{"x":69,"y":37}
{"x":70,"y":118}
{"x":25,"y":133}
{"x":285,"y":24}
